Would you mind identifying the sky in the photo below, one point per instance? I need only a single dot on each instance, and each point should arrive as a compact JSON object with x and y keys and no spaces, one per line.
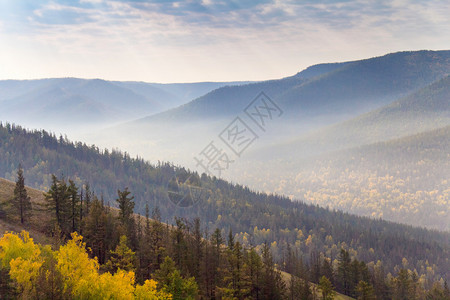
{"x":207,"y":40}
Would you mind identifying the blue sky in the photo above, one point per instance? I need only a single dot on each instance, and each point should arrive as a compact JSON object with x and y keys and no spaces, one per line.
{"x":207,"y":40}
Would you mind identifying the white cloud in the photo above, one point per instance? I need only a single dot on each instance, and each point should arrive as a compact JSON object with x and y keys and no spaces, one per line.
{"x":159,"y":42}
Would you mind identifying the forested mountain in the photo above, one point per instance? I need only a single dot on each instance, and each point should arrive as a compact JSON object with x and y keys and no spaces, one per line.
{"x":403,"y":180}
{"x":320,"y":96}
{"x":409,"y":90}
{"x":121,"y":256}
{"x":345,"y":88}
{"x":256,"y":218}
{"x":426,"y":109}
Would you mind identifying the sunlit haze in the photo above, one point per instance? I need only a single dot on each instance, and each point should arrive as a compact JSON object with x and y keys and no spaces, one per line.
{"x":189,"y":41}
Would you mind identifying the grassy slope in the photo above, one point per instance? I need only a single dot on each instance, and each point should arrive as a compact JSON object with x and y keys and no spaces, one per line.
{"x":35,"y":227}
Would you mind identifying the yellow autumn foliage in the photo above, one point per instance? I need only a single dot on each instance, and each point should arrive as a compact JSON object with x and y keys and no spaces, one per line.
{"x":79,"y":273}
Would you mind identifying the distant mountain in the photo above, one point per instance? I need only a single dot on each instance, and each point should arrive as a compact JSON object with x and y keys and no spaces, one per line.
{"x":400,"y":151}
{"x":320,"y":69}
{"x":426,"y":109}
{"x":72,"y":103}
{"x":342,"y":88}
{"x":317,"y":97}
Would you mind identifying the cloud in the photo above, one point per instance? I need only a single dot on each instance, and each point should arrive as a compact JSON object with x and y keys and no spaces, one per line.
{"x":216,"y":37}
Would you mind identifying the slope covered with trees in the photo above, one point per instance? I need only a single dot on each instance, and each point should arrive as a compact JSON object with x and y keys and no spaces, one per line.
{"x":403,"y":180}
{"x":324,"y":89}
{"x":424,"y":110}
{"x":133,"y":257}
{"x":126,"y":256}
{"x":255,"y":218}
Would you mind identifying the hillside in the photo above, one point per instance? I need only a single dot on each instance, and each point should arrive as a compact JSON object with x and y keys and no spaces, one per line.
{"x":340,"y":88}
{"x":318,"y":97}
{"x":12,"y":223}
{"x":40,"y":217}
{"x":255,"y":217}
{"x":403,"y":180}
{"x":71,"y":104}
{"x":423,"y":110}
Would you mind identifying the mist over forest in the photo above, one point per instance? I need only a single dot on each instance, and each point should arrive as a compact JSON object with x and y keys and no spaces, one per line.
{"x":224,"y":150}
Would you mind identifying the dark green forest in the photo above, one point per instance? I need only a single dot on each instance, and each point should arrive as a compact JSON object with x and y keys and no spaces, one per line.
{"x":303,"y":239}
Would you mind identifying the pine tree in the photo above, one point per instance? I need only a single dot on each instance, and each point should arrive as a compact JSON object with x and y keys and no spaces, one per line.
{"x":255,"y":273}
{"x":145,"y":255}
{"x":58,"y":203}
{"x":74,"y":217}
{"x":326,"y":288}
{"x":365,"y":291}
{"x":158,"y":249}
{"x":179,"y":245}
{"x":88,"y":198}
{"x":273,"y":284}
{"x":403,"y":286}
{"x":81,"y":213}
{"x":126,"y":205}
{"x":21,"y":200}
{"x":96,"y":230}
{"x":170,"y":280}
{"x":126,"y":208}
{"x":122,"y":257}
{"x":327,"y":269}
{"x":343,"y":272}
{"x":198,"y":248}
{"x":381,"y":288}
{"x":216,"y":242}
{"x":234,"y":285}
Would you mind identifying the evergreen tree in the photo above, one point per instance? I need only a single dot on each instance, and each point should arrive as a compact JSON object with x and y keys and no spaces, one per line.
{"x":382,"y":290}
{"x":96,"y":230}
{"x":198,"y":248}
{"x":365,"y":291}
{"x":88,"y":198}
{"x":126,"y":205}
{"x":255,"y":273}
{"x":122,"y":258}
{"x":402,"y":286}
{"x":343,"y":272}
{"x":158,"y":249}
{"x":145,"y":255}
{"x":58,"y":204}
{"x":216,"y":242}
{"x":315,"y":269}
{"x":326,"y":288}
{"x":126,"y":208}
{"x":235,"y":285}
{"x":327,"y":269}
{"x":179,"y":245}
{"x":170,"y":280}
{"x":273,"y":284}
{"x":21,"y":200}
{"x":75,"y":216}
